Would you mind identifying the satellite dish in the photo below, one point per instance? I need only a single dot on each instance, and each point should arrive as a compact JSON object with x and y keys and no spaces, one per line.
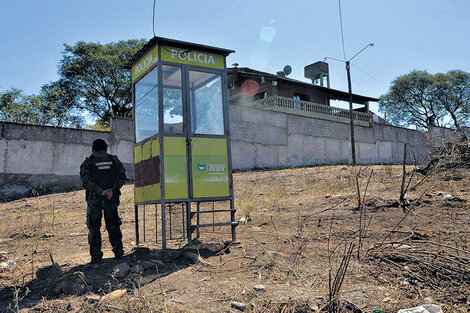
{"x":287,"y":70}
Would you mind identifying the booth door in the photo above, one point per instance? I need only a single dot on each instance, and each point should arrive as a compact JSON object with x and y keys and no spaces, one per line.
{"x":194,"y":134}
{"x":175,"y":134}
{"x":208,"y":141}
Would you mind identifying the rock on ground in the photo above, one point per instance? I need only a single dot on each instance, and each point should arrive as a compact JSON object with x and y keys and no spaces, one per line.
{"x":158,"y":263}
{"x":271,"y":257}
{"x":259,"y":287}
{"x":147,"y":265}
{"x":238,"y":305}
{"x":137,"y":268}
{"x":68,"y":287}
{"x":167,"y":256}
{"x":51,"y":272}
{"x":116,"y":294}
{"x":121,"y":270}
{"x":425,"y":308}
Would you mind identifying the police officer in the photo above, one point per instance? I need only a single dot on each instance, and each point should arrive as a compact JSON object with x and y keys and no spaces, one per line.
{"x":102,"y":176}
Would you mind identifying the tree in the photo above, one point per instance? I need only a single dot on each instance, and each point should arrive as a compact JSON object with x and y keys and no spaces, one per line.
{"x":92,"y":77}
{"x":59,"y":97}
{"x":17,"y":107}
{"x":422,"y":99}
{"x":453,"y":93}
{"x":411,"y":101}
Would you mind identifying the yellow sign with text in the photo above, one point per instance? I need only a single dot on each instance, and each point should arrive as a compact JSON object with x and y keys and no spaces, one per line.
{"x":210,"y":167}
{"x":146,"y":62}
{"x":192,"y":57}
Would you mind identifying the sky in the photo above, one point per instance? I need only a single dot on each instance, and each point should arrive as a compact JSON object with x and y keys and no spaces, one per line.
{"x":430,"y":35}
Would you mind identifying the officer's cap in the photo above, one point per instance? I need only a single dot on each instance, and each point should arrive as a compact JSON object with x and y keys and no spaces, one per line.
{"x":100,"y":145}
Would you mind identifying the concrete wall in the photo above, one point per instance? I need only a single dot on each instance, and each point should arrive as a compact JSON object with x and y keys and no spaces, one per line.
{"x":48,"y":159}
{"x":267,"y":139}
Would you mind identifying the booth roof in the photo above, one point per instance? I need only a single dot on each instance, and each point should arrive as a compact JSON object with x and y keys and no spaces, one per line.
{"x":175,"y":43}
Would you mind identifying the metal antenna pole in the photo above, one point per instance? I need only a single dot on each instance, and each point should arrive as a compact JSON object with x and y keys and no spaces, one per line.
{"x":351,"y":112}
{"x":351,"y":120}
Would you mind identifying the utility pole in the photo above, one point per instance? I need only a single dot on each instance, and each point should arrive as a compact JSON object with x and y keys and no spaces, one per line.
{"x":351,"y":112}
{"x":351,"y":119}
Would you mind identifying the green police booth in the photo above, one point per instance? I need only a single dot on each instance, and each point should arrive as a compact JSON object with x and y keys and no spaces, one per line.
{"x":183,"y":169}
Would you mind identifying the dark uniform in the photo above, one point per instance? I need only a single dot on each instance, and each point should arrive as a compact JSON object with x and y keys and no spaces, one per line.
{"x":99,"y":172}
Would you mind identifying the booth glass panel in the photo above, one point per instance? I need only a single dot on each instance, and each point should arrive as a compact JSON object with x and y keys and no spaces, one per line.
{"x":207,"y":113}
{"x":172,"y":99}
{"x":146,"y":106}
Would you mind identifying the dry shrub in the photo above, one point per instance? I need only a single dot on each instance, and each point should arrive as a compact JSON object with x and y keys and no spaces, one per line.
{"x":448,"y":154}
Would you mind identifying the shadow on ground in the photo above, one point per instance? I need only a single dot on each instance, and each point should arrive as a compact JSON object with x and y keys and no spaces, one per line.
{"x":136,"y":269}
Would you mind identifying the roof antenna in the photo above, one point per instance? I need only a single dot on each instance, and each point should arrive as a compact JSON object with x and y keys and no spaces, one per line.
{"x":285,"y":71}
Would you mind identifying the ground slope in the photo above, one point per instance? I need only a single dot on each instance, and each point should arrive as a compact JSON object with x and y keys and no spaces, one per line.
{"x":299,"y":225}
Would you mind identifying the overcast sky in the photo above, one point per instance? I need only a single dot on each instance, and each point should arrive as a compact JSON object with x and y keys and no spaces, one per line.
{"x":428,"y":35}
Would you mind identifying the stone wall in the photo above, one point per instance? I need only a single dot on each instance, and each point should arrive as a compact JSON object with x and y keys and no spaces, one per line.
{"x":268,"y":139}
{"x":47,"y":159}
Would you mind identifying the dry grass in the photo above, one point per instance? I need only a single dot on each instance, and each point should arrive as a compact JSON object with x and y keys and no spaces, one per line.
{"x":300,"y":218}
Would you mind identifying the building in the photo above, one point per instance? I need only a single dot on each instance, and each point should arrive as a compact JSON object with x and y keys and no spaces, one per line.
{"x":280,"y":93}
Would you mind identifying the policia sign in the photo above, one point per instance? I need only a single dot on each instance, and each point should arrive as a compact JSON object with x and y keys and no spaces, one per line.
{"x":182,"y":139}
{"x":198,"y":58}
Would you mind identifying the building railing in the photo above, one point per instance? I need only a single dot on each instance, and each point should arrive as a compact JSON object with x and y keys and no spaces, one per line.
{"x":310,"y":109}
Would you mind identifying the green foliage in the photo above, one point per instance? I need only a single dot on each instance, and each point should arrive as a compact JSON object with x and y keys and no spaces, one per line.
{"x":17,"y":107}
{"x":93,"y":77}
{"x":411,"y":101}
{"x":422,"y":99}
{"x":61,"y":99}
{"x":453,"y":93}
{"x":99,"y":126}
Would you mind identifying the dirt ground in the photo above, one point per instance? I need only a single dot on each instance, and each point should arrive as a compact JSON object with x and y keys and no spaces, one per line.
{"x":299,"y":225}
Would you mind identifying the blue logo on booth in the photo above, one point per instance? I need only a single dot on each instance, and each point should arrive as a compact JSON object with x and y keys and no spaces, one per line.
{"x":202,"y":167}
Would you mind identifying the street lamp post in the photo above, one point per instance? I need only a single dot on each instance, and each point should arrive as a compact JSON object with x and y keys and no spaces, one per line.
{"x":351,"y":112}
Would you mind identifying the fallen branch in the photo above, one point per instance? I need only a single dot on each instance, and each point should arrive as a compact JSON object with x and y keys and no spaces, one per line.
{"x":259,"y":244}
{"x":405,"y":215}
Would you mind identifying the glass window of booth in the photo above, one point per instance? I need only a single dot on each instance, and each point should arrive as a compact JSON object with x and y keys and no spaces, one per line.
{"x":146,"y":106}
{"x":172,"y":99}
{"x":207,"y":111}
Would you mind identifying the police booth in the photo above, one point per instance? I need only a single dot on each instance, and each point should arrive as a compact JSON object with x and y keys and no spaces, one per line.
{"x":183,"y":170}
